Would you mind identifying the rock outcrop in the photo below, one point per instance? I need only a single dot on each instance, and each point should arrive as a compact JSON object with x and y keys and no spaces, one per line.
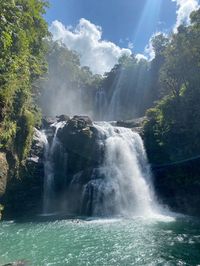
{"x":135,"y":124}
{"x":24,"y":192}
{"x":79,"y":142}
{"x":79,"y":139}
{"x":178,"y":186}
{"x":3,"y":173}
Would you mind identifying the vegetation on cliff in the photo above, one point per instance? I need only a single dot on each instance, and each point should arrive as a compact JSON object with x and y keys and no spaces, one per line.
{"x":22,"y":48}
{"x":172,"y":131}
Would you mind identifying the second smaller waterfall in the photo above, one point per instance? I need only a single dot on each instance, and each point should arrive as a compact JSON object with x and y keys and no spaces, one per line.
{"x":100,"y":104}
{"x":49,"y":170}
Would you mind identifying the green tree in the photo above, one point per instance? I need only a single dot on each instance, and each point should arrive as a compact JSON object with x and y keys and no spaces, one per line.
{"x":172,"y":131}
{"x":22,"y":30}
{"x":128,"y":83}
{"x":159,"y":44}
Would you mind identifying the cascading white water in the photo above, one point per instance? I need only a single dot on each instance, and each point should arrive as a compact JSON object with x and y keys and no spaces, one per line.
{"x":120,"y":184}
{"x":125,"y":185}
{"x":100,"y":103}
{"x":49,"y":169}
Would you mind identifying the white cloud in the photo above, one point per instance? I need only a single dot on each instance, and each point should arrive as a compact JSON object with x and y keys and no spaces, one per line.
{"x":184,"y":9}
{"x":149,"y":51}
{"x":141,"y":57}
{"x":86,"y":39}
{"x":130,"y":45}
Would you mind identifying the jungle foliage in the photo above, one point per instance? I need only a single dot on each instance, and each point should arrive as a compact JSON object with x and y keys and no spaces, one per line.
{"x":172,"y":131}
{"x":22,"y":49}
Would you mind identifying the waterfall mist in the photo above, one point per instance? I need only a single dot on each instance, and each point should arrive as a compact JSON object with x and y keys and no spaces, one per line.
{"x":65,"y":100}
{"x":68,"y":88}
{"x":121,"y":94}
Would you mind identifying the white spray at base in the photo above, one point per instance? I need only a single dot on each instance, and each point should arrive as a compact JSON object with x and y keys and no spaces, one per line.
{"x":125,"y":187}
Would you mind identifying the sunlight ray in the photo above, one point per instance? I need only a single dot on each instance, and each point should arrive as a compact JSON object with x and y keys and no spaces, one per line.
{"x":149,"y":18}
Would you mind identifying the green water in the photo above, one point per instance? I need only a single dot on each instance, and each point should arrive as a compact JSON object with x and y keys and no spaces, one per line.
{"x":102,"y":242}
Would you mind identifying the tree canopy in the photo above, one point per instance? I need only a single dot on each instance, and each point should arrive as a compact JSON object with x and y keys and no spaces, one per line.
{"x":173,"y":128}
{"x":22,"y":30}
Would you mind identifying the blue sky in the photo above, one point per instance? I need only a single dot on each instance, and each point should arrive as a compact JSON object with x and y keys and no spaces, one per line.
{"x":122,"y":21}
{"x":126,"y":26}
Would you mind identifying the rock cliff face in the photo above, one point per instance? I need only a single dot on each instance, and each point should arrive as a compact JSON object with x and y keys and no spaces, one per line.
{"x":136,"y":124}
{"x":78,"y":138}
{"x":178,"y":186}
{"x":3,"y":173}
{"x":23,"y":194}
{"x":3,"y":178}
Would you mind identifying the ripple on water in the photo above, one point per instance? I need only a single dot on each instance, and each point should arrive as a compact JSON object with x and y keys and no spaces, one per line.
{"x":102,"y":242}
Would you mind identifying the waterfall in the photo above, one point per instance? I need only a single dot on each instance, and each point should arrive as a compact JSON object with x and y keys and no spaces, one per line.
{"x":49,"y":170}
{"x":118,"y":184}
{"x":114,"y":106}
{"x":100,"y":103}
{"x":124,"y":184}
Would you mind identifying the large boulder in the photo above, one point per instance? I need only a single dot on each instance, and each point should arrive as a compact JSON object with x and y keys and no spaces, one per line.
{"x":132,"y":123}
{"x":61,"y":118}
{"x":47,"y":121}
{"x":79,"y":139}
{"x":135,"y":124}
